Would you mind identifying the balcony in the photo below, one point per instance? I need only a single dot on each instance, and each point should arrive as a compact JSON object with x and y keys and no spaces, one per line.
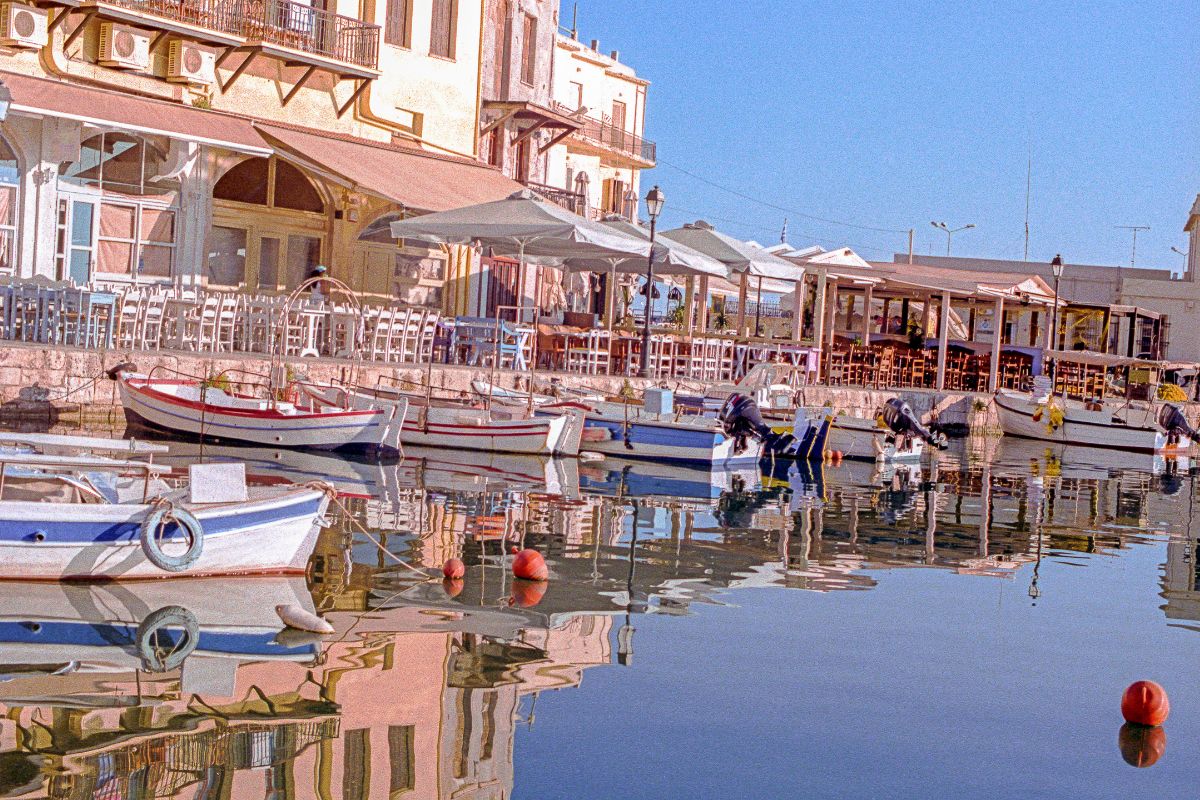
{"x":295,"y":31}
{"x":604,"y":138}
{"x":571,"y":201}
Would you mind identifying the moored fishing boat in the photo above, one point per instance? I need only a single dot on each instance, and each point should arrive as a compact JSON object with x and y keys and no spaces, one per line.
{"x":1137,"y":427}
{"x":310,"y":417}
{"x":65,"y":517}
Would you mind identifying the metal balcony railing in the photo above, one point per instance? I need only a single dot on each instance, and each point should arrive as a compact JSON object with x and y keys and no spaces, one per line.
{"x":287,"y":23}
{"x":571,"y":201}
{"x":603,"y":132}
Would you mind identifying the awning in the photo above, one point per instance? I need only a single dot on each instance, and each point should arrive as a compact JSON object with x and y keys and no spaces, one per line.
{"x":412,"y":178}
{"x":105,"y":108}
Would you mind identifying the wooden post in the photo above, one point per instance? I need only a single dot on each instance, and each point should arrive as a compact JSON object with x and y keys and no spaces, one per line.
{"x":743,"y":287}
{"x":997,"y":337}
{"x":702,"y":321}
{"x":798,"y":309}
{"x":925,"y":314}
{"x":866,"y":322}
{"x":819,"y":304}
{"x":943,"y":340}
{"x":689,"y":303}
{"x":831,"y":326}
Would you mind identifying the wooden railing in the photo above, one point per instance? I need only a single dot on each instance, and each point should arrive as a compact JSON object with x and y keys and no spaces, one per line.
{"x":286,"y":23}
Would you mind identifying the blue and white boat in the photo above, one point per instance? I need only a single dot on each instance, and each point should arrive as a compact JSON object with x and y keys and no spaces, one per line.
{"x":84,"y":517}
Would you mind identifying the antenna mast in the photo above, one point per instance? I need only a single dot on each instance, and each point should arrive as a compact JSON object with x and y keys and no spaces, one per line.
{"x":1134,"y":229}
{"x":1028,"y":186}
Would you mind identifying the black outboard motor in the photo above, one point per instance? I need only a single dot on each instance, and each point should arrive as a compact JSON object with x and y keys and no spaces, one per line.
{"x":900,"y":418}
{"x":1175,"y":424}
{"x":741,"y":420}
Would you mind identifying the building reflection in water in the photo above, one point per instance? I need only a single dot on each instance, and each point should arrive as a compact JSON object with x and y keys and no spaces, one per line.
{"x":420,"y":694}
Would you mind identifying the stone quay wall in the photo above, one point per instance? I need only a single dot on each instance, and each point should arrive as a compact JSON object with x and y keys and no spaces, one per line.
{"x":39,"y":382}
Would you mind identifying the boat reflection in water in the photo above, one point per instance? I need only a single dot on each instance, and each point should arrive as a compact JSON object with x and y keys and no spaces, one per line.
{"x":189,"y":689}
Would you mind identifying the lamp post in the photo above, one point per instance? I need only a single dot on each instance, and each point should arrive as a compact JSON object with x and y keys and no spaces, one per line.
{"x":654,"y":205}
{"x":950,"y":231}
{"x":1056,"y":266}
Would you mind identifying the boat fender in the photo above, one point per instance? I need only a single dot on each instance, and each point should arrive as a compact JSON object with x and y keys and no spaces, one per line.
{"x":162,"y":514}
{"x":163,"y":651}
{"x":596,"y":434}
{"x":296,"y":617}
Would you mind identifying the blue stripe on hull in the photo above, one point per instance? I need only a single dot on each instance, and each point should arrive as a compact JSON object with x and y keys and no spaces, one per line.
{"x":98,"y":634}
{"x":26,"y":531}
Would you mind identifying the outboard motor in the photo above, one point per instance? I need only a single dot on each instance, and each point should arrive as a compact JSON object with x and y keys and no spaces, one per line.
{"x":899,"y":417}
{"x":1175,"y":424}
{"x":741,"y":420}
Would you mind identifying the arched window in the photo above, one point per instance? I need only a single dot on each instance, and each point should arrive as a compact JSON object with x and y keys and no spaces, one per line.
{"x":269,"y":182}
{"x":10,"y":192}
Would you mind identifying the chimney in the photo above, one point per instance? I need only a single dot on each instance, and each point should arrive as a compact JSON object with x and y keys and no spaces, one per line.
{"x":596,"y":45}
{"x":615,"y":55}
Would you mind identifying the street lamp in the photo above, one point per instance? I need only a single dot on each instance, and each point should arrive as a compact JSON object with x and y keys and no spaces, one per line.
{"x":1056,"y":266}
{"x":950,"y":231}
{"x":654,"y":206}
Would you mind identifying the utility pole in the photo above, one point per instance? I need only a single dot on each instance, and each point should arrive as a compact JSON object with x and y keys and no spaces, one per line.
{"x":1134,"y":229}
{"x":910,"y":245}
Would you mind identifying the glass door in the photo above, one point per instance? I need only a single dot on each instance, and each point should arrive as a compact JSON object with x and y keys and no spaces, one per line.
{"x":269,"y":248}
{"x":76,"y":239}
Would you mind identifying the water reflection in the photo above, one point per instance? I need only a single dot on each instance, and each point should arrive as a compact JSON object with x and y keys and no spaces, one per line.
{"x":188,"y":689}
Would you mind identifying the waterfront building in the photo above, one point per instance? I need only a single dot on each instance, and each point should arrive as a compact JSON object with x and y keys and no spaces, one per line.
{"x":186,"y":143}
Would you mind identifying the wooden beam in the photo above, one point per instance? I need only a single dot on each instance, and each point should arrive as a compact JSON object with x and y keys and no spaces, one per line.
{"x":798,"y":308}
{"x":557,"y":138}
{"x":58,"y":20}
{"x":530,"y":131}
{"x":997,"y":340}
{"x":496,"y":123}
{"x":943,"y":340}
{"x":157,"y":40}
{"x":362,"y":87}
{"x":237,"y":73}
{"x":79,"y":29}
{"x":308,"y":73}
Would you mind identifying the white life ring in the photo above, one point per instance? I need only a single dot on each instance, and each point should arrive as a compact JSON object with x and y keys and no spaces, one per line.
{"x":153,"y":528}
{"x":161,"y":651}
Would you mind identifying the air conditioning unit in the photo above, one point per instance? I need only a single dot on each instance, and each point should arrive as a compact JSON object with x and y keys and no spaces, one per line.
{"x":124,"y":47}
{"x":190,"y":63}
{"x":23,"y":26}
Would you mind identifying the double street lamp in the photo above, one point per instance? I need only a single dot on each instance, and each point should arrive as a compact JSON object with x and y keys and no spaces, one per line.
{"x":654,"y":206}
{"x":950,"y":231}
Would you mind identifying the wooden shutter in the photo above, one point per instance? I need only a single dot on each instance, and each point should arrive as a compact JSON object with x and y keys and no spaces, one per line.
{"x":441,"y":33}
{"x":529,"y":50}
{"x":618,"y":123}
{"x":395,"y":30}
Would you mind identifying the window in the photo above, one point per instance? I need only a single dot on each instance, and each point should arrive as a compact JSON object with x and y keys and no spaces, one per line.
{"x":529,"y":51}
{"x":576,"y":95}
{"x":356,"y":775}
{"x":135,"y":239}
{"x":444,"y":27}
{"x":401,"y":748}
{"x":396,"y":26}
{"x":617,"y":134}
{"x":269,"y":182}
{"x":124,"y":164}
{"x":225,"y":256}
{"x":10,"y":178}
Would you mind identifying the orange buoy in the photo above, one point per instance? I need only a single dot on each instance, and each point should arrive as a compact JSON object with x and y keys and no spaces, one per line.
{"x":1141,"y":746}
{"x":1145,"y":703}
{"x":529,"y":565}
{"x":454,"y":568}
{"x":527,"y":594}
{"x":452,"y":586}
{"x":836,"y":456}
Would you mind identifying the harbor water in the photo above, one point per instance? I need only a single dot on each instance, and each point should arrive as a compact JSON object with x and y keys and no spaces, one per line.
{"x":960,"y":628}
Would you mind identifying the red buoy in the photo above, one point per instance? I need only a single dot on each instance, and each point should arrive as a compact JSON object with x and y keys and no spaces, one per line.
{"x":529,"y":565}
{"x":1145,"y":703}
{"x":1141,"y":746}
{"x":527,"y":594}
{"x":454,"y":568}
{"x":452,"y":586}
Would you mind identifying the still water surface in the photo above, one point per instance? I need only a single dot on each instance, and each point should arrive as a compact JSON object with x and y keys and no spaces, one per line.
{"x":964,"y":629}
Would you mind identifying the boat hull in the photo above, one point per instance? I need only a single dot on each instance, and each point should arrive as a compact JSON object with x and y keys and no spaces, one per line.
{"x":352,"y":429}
{"x":1016,"y":413}
{"x":476,"y":429}
{"x":58,"y":541}
{"x":862,"y":439}
{"x":664,"y":440}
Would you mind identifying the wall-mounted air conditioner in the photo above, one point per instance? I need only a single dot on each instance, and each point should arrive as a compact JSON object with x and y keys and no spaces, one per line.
{"x":24,"y":26}
{"x":191,"y":63}
{"x":124,"y":47}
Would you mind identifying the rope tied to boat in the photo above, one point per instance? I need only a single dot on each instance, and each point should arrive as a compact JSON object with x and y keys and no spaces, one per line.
{"x":335,"y":500}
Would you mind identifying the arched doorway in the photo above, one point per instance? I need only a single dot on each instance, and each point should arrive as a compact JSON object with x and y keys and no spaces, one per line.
{"x":270,"y":226}
{"x":117,"y":208}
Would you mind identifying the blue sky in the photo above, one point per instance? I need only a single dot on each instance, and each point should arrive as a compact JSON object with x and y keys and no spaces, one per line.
{"x":893,"y":115}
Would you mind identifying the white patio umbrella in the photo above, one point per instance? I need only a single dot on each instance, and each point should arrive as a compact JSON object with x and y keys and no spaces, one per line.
{"x":741,"y":257}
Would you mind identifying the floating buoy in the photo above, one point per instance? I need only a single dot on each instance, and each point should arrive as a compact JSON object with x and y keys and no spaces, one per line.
{"x":454,"y":569}
{"x":296,"y":617}
{"x":527,"y":594}
{"x":529,"y":565}
{"x":1145,"y":703}
{"x":1141,"y":746}
{"x":452,"y":586}
{"x":836,"y":456}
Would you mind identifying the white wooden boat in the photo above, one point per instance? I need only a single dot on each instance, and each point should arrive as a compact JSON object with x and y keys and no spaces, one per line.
{"x":460,"y":425}
{"x":867,"y":439}
{"x":314,"y":418}
{"x":66,"y":517}
{"x":1114,"y":426}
